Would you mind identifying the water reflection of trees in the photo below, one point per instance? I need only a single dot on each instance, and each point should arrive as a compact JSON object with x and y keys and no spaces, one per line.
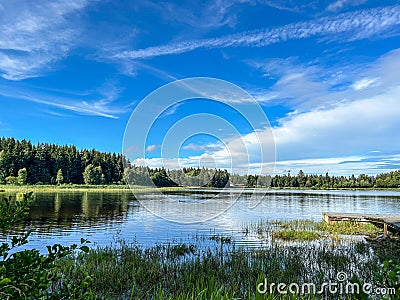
{"x":65,"y":211}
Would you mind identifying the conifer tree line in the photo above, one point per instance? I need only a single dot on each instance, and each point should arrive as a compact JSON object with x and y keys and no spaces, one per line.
{"x":21,"y":162}
{"x":315,"y":181}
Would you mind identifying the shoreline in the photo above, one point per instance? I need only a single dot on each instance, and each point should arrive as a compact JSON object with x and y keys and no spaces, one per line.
{"x":118,"y":188}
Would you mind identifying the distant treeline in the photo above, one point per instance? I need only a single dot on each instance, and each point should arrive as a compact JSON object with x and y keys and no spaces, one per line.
{"x":25,"y":163}
{"x":313,"y":181}
{"x":186,"y":177}
{"x":21,"y":162}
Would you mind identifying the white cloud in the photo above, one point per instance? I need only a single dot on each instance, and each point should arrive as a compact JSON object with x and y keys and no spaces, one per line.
{"x":361,"y":118}
{"x":171,"y":110}
{"x":208,"y":147}
{"x":309,"y":86}
{"x":356,"y":135}
{"x":34,"y":35}
{"x":362,"y":125}
{"x":202,"y":15}
{"x":364,"y":83}
{"x":338,"y":166}
{"x":345,"y":166}
{"x":340,"y":4}
{"x":178,"y":163}
{"x":152,"y":148}
{"x":361,"y":24}
{"x":95,"y":108}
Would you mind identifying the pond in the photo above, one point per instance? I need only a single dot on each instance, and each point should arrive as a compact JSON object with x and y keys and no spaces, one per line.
{"x":105,"y":218}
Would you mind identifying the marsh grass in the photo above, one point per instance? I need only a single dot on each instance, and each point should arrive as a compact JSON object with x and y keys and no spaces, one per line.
{"x":387,"y":249}
{"x":226,"y":271}
{"x":350,"y":228}
{"x":296,"y":235}
{"x":222,"y":239}
{"x":189,"y":272}
{"x":308,"y":230}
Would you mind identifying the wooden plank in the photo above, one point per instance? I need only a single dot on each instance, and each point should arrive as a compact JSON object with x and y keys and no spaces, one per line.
{"x":393,"y":221}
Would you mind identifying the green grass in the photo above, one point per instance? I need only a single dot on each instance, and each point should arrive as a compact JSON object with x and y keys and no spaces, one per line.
{"x":296,"y":235}
{"x":350,"y":228}
{"x":334,"y":189}
{"x":307,"y":230}
{"x":116,"y":187}
{"x":190,"y":272}
{"x":80,"y":188}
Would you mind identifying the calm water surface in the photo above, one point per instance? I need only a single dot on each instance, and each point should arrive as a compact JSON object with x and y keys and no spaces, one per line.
{"x":104,"y":218}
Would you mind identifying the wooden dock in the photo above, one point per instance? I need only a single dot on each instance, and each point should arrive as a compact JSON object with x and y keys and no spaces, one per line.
{"x":389,"y":221}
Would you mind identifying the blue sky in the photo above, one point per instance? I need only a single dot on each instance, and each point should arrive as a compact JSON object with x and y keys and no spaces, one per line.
{"x":326,"y":74}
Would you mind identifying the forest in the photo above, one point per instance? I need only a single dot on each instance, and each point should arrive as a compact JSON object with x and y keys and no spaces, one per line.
{"x":22,"y":162}
{"x":319,"y":181}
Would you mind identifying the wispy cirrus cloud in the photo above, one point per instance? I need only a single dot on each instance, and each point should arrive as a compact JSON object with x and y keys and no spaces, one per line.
{"x":309,"y":85}
{"x":203,"y":15}
{"x":208,"y":147}
{"x":364,"y":83}
{"x":36,"y":34}
{"x":97,"y":102}
{"x":3,"y":126}
{"x":340,"y":4}
{"x":358,"y":24}
{"x":95,"y":108}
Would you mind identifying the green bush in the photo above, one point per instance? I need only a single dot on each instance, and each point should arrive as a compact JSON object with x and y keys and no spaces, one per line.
{"x":389,"y":278}
{"x":12,"y":180}
{"x":27,"y":274}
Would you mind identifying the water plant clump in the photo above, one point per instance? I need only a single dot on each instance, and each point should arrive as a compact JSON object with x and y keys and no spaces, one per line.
{"x":296,"y":235}
{"x":303,"y":230}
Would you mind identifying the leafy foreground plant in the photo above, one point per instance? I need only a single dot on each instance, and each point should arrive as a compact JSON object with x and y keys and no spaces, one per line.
{"x":27,"y":274}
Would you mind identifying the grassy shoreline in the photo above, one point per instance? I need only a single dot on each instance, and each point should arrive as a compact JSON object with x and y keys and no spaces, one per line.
{"x":118,"y":188}
{"x":81,"y":188}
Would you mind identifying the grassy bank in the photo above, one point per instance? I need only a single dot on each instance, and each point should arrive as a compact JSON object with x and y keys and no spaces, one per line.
{"x":334,"y":189}
{"x":7,"y":188}
{"x":79,"y":188}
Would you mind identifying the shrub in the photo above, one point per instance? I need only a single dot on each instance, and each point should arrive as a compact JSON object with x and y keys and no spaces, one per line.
{"x":27,"y":274}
